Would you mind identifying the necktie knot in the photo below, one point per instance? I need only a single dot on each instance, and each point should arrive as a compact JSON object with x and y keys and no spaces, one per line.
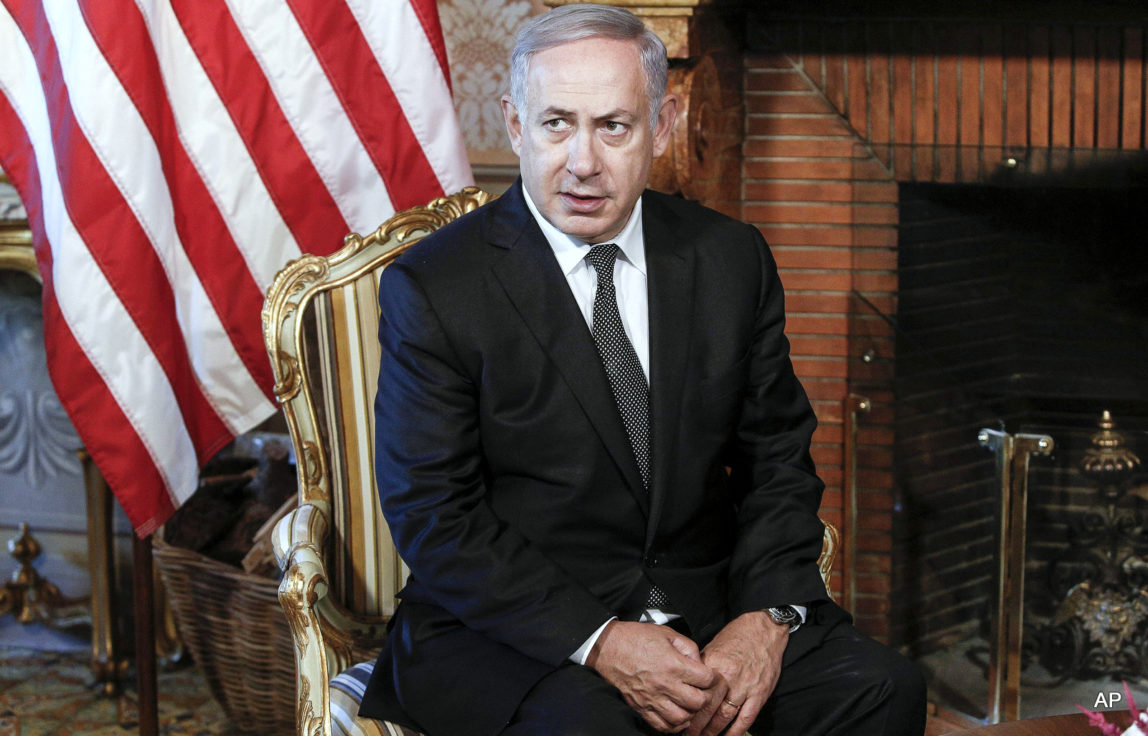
{"x":602,"y":258}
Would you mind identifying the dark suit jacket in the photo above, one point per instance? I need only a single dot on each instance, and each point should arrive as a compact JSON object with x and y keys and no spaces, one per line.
{"x":508,"y":481}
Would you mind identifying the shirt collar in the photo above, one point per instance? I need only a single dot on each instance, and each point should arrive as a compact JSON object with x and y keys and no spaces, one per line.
{"x":571,"y":251}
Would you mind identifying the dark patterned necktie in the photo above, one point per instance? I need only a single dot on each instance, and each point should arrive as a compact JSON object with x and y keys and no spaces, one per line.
{"x":624,"y":371}
{"x":627,"y":382}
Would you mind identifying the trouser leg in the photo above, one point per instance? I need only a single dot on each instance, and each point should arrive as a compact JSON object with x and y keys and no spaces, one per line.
{"x":850,"y":685}
{"x":574,"y":701}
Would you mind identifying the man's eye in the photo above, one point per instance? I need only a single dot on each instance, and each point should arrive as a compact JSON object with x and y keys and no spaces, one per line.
{"x":614,"y":127}
{"x":556,"y":124}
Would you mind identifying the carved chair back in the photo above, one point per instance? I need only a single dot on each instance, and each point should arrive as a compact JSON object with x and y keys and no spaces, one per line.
{"x":321,"y":319}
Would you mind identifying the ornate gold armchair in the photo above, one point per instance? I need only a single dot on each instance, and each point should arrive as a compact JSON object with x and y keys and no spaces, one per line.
{"x":341,"y":571}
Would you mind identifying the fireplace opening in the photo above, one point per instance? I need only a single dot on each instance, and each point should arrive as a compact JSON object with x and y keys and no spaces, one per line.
{"x":1022,"y":309}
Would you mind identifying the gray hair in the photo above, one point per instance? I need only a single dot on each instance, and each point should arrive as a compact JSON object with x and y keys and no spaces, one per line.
{"x":577,"y":22}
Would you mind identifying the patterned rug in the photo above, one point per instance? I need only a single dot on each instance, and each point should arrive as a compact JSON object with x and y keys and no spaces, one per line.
{"x":46,"y":693}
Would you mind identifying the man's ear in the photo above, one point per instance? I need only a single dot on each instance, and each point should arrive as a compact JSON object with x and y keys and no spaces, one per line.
{"x":667,"y":114}
{"x":513,"y":122}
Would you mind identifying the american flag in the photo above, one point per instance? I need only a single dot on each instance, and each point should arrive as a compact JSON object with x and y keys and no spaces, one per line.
{"x":172,"y":156}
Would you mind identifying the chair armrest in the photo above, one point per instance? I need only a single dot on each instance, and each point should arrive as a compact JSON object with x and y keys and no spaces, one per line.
{"x":297,"y":539}
{"x":296,"y":542}
{"x":830,"y":543}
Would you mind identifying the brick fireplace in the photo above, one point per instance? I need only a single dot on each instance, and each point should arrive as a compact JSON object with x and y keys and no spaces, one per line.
{"x":844,"y":116}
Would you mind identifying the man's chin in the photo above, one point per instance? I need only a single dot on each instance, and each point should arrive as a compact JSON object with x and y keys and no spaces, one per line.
{"x":591,"y":228}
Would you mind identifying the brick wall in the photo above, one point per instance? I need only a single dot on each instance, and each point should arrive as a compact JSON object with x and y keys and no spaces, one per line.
{"x":838,"y":112}
{"x":827,"y":207}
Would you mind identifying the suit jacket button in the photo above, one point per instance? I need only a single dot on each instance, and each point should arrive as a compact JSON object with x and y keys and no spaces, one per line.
{"x":651,"y":561}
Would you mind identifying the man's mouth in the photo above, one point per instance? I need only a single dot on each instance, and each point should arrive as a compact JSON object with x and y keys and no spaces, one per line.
{"x":581,"y":202}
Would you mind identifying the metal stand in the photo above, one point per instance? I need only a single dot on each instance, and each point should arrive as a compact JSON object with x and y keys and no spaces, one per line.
{"x":144,"y":589}
{"x":109,"y":665}
{"x":1012,"y":455}
{"x":854,"y":404}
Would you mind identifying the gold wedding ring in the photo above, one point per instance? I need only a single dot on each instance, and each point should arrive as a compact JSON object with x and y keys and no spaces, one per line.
{"x":733,"y":705}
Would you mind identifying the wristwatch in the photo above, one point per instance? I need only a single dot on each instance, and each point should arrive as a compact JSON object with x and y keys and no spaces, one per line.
{"x":784,"y":616}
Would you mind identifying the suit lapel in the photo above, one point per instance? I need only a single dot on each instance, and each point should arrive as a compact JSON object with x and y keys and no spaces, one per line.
{"x":532,"y":280}
{"x":669,"y":261}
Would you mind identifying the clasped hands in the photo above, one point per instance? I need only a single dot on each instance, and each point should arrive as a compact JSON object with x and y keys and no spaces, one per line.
{"x":676,"y":687}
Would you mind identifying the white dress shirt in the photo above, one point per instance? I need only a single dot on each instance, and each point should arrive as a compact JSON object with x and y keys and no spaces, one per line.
{"x":633,"y":305}
{"x":629,"y":276}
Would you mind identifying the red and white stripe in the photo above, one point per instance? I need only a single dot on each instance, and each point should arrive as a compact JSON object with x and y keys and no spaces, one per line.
{"x":172,"y":155}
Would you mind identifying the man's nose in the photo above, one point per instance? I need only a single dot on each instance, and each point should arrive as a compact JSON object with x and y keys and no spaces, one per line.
{"x":582,"y":155}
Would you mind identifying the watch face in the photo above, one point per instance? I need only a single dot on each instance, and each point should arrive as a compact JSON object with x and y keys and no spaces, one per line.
{"x":783,"y":614}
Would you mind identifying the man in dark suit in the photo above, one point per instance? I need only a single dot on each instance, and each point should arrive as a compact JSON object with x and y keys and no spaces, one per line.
{"x":592,"y":450}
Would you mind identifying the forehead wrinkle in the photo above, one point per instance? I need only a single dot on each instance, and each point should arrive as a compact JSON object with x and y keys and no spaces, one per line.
{"x":562,"y":92}
{"x":582,"y":99}
{"x":555,"y":81}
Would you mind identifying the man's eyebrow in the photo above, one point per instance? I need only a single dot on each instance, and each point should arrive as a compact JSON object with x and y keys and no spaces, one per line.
{"x":554,"y":112}
{"x":618,"y":113}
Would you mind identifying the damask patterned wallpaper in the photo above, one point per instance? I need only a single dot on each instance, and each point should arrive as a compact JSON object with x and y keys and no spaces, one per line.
{"x":479,"y":35}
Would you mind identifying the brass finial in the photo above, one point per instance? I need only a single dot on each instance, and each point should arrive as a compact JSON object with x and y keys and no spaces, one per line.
{"x":1108,"y":461}
{"x":26,"y":595}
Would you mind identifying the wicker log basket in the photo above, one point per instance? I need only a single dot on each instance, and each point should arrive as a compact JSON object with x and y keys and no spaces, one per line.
{"x":233,"y":626}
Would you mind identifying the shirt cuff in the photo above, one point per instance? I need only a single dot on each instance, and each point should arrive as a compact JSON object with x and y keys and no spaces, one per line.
{"x":581,"y":653}
{"x":802,"y":611}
